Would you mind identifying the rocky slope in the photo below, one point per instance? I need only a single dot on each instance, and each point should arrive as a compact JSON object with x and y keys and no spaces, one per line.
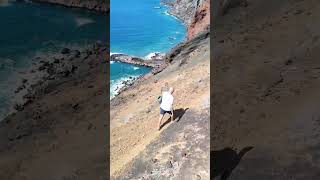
{"x":201,"y":19}
{"x":96,"y":5}
{"x":180,"y":149}
{"x":265,"y":59}
{"x":184,"y":154}
{"x":194,"y":13}
{"x":59,"y":130}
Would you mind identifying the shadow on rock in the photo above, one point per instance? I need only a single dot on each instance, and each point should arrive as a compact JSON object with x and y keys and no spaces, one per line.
{"x":224,"y":161}
{"x":178,"y":113}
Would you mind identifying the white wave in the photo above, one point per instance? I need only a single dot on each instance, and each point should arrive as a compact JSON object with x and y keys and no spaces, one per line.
{"x":111,"y":62}
{"x":112,"y":53}
{"x":136,"y":68}
{"x":80,"y":21}
{"x":154,"y":55}
{"x":166,"y":13}
{"x":116,"y":85}
{"x":151,"y":55}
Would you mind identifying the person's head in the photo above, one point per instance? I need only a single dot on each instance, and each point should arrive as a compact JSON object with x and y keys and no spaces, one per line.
{"x":171,"y":90}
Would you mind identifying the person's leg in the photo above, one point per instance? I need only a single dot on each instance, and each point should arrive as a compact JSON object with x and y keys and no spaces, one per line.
{"x":172,"y":116}
{"x":160,"y":120}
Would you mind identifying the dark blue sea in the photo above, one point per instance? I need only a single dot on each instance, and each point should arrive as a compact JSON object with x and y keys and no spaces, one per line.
{"x":139,"y":28}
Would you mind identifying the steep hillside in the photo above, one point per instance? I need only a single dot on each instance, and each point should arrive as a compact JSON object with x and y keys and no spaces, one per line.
{"x":265,"y":59}
{"x":59,"y":132}
{"x":180,"y":149}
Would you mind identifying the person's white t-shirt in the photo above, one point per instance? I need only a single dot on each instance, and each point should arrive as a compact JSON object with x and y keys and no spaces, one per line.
{"x":166,"y":101}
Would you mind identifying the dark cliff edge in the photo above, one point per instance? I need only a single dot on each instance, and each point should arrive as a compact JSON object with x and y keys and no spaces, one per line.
{"x":195,"y":14}
{"x":95,"y":5}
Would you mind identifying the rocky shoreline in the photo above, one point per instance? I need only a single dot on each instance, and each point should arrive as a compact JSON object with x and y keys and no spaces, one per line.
{"x":136,"y":61}
{"x":62,"y":98}
{"x":185,"y":11}
{"x":48,"y":70}
{"x":157,"y":64}
{"x":94,"y":5}
{"x":195,"y":14}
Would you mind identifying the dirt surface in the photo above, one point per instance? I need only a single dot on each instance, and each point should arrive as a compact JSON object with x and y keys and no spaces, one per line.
{"x":135,"y":112}
{"x":180,"y":152}
{"x":265,"y":94}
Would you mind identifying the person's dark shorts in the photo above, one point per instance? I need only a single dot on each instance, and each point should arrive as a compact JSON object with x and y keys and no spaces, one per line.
{"x":163,"y":111}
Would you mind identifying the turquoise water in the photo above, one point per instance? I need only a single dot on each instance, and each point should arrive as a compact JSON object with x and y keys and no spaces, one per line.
{"x":30,"y":29}
{"x":121,"y":72}
{"x":139,"y":28}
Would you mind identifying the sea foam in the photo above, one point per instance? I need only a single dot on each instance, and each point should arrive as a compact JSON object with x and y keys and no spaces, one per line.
{"x":116,"y":85}
{"x":80,"y":21}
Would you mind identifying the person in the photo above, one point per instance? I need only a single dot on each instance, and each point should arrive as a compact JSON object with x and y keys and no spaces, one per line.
{"x":166,"y":105}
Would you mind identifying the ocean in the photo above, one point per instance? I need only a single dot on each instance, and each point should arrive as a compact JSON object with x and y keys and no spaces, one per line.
{"x":139,"y":28}
{"x":31,"y":29}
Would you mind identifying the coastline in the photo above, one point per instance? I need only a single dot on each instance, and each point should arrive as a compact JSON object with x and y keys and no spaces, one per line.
{"x":93,"y":5}
{"x":52,"y":95}
{"x":65,"y":117}
{"x":24,"y":79}
{"x":194,"y":15}
{"x":157,"y":62}
{"x":66,"y":101}
{"x":48,"y":70}
{"x":156,"y":65}
{"x":135,"y":109}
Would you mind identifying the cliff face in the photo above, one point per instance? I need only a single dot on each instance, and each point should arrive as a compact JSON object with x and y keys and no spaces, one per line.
{"x":182,"y":9}
{"x":97,"y":5}
{"x":194,"y":13}
{"x":201,"y":19}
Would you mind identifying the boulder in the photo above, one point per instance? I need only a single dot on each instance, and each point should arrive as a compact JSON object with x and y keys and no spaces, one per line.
{"x":65,"y":51}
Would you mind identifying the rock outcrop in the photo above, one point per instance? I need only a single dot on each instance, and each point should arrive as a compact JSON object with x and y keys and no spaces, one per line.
{"x":182,"y":9}
{"x":135,"y":60}
{"x":195,"y":14}
{"x":201,"y":19}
